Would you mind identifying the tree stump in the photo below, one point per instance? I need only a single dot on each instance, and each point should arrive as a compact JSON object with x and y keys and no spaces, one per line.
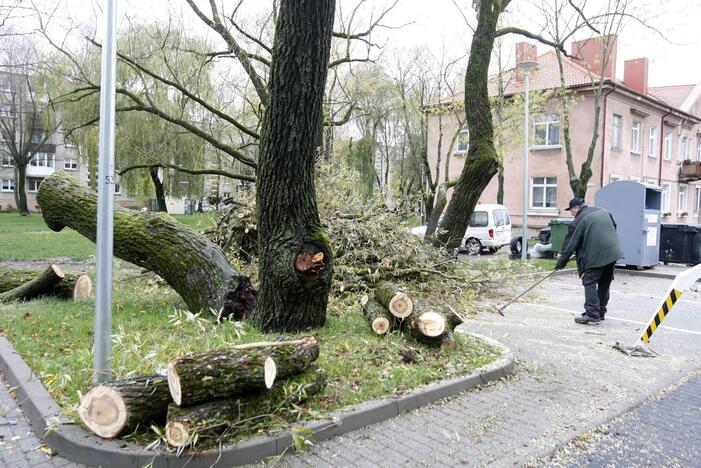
{"x":113,"y":408}
{"x":223,"y":373}
{"x":394,"y":299}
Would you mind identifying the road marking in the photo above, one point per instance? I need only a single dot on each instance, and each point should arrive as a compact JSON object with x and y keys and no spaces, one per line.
{"x":665,"y":327}
{"x":648,"y":296}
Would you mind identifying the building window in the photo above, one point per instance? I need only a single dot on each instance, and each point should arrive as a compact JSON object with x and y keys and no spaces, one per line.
{"x":544,"y":192}
{"x":8,"y":185}
{"x":38,"y":137}
{"x":698,"y":149}
{"x":117,"y":188}
{"x":33,"y":184}
{"x":635,"y":137}
{"x":70,"y":164}
{"x":697,"y":200}
{"x":547,"y":130}
{"x":5,"y":111}
{"x":6,"y":161}
{"x":666,"y":193}
{"x":463,"y":142}
{"x":683,"y":200}
{"x":685,"y":150}
{"x":652,"y":143}
{"x":5,"y":85}
{"x":668,"y":145}
{"x":42,"y":160}
{"x":617,"y":131}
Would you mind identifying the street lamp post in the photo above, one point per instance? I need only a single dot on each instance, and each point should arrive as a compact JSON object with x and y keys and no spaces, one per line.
{"x":527,"y":66}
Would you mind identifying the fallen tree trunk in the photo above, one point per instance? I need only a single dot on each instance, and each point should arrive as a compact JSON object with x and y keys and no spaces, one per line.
{"x":113,"y":408}
{"x":215,"y":418}
{"x":433,"y":325}
{"x":35,"y":287}
{"x":223,"y":373}
{"x":190,"y":263}
{"x":394,"y":299}
{"x":75,"y":286}
{"x":381,"y":321}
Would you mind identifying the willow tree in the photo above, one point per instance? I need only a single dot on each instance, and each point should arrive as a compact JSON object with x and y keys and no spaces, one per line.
{"x":295,"y":256}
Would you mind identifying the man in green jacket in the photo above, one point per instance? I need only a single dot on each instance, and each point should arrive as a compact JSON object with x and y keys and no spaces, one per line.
{"x":592,"y":235}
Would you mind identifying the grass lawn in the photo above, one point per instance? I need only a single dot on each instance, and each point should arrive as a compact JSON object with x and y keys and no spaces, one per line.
{"x":55,"y":338}
{"x":28,"y":237}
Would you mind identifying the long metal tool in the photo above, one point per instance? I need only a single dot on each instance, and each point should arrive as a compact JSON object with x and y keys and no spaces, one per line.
{"x":500,"y":310}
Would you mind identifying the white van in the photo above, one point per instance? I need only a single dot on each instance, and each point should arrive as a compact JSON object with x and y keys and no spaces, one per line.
{"x":489,"y":228}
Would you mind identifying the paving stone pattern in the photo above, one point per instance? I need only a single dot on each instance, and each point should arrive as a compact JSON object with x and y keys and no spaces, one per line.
{"x":663,"y":432}
{"x":19,"y":445}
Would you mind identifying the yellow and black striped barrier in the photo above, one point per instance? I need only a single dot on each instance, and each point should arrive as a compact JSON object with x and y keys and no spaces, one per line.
{"x":663,"y":311}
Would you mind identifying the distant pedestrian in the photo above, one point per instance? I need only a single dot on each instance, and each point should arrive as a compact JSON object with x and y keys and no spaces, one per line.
{"x":592,"y":235}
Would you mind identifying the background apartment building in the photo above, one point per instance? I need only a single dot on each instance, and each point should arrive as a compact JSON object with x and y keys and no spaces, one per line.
{"x":647,"y":134}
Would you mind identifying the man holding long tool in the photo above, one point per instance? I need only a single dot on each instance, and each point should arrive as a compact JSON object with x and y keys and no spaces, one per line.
{"x":592,"y":235}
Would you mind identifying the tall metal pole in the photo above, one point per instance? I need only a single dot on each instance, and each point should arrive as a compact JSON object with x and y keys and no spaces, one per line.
{"x":524,"y":236}
{"x":105,"y":193}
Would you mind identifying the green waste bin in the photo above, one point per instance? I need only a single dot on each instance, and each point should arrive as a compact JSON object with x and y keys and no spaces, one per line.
{"x":558,"y":231}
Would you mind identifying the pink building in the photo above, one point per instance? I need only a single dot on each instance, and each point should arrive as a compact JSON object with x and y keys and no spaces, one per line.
{"x":647,"y":134}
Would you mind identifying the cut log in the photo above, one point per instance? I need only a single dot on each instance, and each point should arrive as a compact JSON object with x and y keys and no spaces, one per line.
{"x":214,"y":418}
{"x":381,"y":321}
{"x":35,"y":287}
{"x":394,"y":299}
{"x":191,"y":264}
{"x":433,"y":325}
{"x":223,"y":373}
{"x":113,"y":408}
{"x":75,"y":286}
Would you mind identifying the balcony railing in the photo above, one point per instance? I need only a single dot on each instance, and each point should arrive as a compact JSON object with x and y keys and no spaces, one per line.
{"x":690,"y":171}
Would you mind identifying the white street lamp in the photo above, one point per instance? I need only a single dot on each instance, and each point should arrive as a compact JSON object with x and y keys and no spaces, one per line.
{"x":527,"y":66}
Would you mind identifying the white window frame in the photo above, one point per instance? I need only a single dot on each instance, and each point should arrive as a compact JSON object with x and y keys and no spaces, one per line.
{"x":458,"y":150}
{"x":683,"y":199}
{"x":6,"y":161}
{"x":684,"y":148}
{"x":652,"y":142}
{"x":32,"y":181}
{"x":70,"y":164}
{"x":551,"y":124}
{"x":5,"y":85}
{"x":668,"y":145}
{"x":666,"y":196}
{"x":697,"y":199}
{"x":617,"y":132}
{"x":7,"y":185}
{"x":698,"y":148}
{"x":635,"y":133}
{"x":545,"y":185}
{"x":43,"y":159}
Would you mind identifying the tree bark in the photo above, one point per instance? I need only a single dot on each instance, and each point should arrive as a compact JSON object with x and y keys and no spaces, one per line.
{"x":116,"y":407}
{"x":441,"y":201}
{"x":433,"y":325}
{"x":296,"y":265}
{"x":380,"y":319}
{"x":481,"y":162}
{"x":214,"y":418}
{"x":21,"y":189}
{"x":75,"y":286}
{"x":36,"y":287}
{"x":190,"y":263}
{"x":158,"y":186}
{"x":227,"y":372}
{"x":394,"y":299}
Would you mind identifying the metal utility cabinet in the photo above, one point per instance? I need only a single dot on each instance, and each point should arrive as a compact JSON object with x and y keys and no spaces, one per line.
{"x":636,"y":208}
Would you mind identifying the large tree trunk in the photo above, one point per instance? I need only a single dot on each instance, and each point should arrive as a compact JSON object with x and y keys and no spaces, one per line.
{"x":22,"y":190}
{"x":158,"y":186}
{"x":190,"y":263}
{"x":36,"y":287}
{"x":432,"y":224}
{"x":115,"y":407}
{"x":295,"y":254}
{"x":482,"y":162}
{"x":222,"y":373}
{"x":76,"y":286}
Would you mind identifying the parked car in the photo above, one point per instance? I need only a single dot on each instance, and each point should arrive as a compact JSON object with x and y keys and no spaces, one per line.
{"x":489,"y":228}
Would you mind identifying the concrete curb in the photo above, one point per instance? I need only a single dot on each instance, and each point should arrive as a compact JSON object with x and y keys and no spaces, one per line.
{"x":71,"y":441}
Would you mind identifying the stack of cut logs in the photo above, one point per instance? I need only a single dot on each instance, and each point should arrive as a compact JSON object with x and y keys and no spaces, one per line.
{"x":204,"y":394}
{"x":393,"y":309}
{"x":18,"y":284}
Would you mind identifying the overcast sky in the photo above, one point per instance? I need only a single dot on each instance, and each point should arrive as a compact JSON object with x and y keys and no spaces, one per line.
{"x":439,"y":25}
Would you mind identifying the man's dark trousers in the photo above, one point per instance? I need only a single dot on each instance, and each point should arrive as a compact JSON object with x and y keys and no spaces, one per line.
{"x":597,"y":282}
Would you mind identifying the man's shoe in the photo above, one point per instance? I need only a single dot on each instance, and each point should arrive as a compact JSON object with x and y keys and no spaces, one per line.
{"x":602,"y":317}
{"x":584,"y":319}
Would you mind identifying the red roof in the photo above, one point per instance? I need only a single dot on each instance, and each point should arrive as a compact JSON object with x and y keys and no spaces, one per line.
{"x":671,"y":95}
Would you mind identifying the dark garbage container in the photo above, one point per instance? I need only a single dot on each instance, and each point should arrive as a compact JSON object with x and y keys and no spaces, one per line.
{"x":680,"y":243}
{"x":558,"y":232}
